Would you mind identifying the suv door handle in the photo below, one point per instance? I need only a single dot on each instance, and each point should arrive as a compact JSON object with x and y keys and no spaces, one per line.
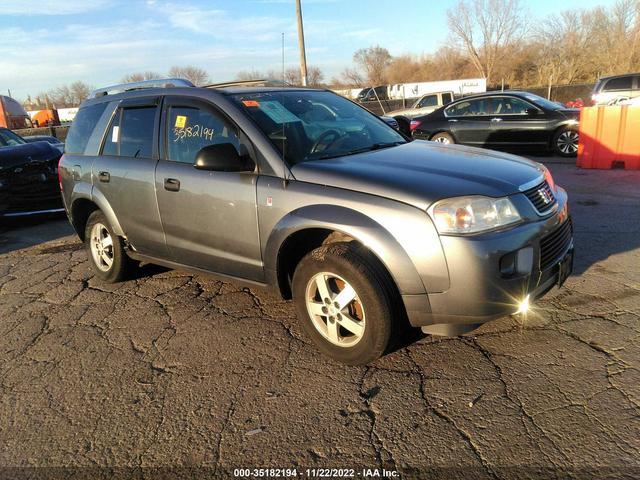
{"x":496,"y":119}
{"x":104,"y":177}
{"x":172,"y":184}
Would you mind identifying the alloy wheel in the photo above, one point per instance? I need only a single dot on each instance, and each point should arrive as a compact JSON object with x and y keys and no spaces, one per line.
{"x":101,"y":247}
{"x":335,"y":309}
{"x":568,"y":142}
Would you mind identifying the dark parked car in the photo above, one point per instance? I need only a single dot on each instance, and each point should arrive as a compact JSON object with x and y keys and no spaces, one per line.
{"x":46,"y":138}
{"x":504,"y":121}
{"x":28,"y":176}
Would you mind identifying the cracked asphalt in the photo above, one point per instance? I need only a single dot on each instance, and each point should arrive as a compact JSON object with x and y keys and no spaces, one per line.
{"x":177,"y":375}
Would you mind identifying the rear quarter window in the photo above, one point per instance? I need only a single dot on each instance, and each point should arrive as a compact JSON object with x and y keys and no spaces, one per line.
{"x":82,"y":128}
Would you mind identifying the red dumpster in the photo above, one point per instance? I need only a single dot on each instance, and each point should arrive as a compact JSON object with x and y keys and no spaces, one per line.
{"x":609,"y":137}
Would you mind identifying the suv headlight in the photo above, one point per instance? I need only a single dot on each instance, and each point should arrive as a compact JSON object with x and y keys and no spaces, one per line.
{"x":474,"y":214}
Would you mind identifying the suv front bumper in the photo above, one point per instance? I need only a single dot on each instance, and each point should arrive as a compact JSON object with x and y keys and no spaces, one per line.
{"x":479,"y":291}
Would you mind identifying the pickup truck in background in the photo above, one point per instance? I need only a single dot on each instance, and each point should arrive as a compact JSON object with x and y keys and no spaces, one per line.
{"x":424,"y":105}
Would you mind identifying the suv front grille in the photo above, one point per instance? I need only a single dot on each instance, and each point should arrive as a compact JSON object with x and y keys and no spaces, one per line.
{"x":554,"y":244}
{"x":541,"y":196}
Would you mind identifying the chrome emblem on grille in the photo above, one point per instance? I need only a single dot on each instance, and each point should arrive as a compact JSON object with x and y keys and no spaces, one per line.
{"x":545,"y":196}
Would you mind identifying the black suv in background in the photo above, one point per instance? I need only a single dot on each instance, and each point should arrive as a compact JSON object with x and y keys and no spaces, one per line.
{"x":503,"y":121}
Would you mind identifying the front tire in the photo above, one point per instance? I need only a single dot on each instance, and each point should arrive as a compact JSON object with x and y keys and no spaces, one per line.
{"x":344,"y":302}
{"x":443,"y":137}
{"x":106,"y":251}
{"x":565,"y":142}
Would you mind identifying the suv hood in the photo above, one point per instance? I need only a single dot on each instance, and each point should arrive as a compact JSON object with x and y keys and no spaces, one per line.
{"x":420,"y":172}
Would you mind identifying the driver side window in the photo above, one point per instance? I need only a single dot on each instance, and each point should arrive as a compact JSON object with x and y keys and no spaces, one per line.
{"x":190,"y":128}
{"x":428,"y":101}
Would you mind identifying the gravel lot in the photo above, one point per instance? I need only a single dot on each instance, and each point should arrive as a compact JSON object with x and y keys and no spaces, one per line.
{"x":172,"y":374}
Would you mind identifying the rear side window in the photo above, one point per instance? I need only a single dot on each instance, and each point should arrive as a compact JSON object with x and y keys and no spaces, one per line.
{"x":446,"y":98}
{"x":131,"y":133}
{"x":429,"y":101}
{"x":622,"y":83}
{"x":467,"y":108}
{"x":82,"y":127}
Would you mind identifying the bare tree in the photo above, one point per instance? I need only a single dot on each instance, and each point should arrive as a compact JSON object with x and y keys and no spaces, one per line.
{"x":140,"y":76}
{"x":249,"y":75}
{"x":64,"y":96}
{"x":485,"y":28}
{"x":314,"y":76}
{"x":352,"y":78}
{"x":374,"y":61}
{"x":195,"y":75}
{"x":79,"y":92}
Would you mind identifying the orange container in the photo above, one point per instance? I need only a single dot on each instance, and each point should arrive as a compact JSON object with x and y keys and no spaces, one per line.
{"x":609,"y":137}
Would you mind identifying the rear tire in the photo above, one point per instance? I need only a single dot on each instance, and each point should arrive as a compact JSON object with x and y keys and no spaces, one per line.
{"x":106,"y":250}
{"x":345,"y":303}
{"x":443,"y":137}
{"x":565,"y":142}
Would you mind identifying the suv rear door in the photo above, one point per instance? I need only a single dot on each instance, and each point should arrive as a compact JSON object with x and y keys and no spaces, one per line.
{"x":210,"y":218}
{"x":124,"y":173}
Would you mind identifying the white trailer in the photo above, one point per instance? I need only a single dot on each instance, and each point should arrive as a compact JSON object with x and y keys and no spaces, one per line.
{"x":458,"y":87}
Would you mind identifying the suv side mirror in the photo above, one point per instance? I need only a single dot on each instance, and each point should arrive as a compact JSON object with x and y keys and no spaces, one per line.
{"x":532,"y":111}
{"x":223,"y":157}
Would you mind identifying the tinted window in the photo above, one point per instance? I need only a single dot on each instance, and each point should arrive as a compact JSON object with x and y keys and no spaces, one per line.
{"x":429,"y":101}
{"x":622,"y":83}
{"x":9,"y":139}
{"x":131,"y":133}
{"x":509,"y":106}
{"x":467,"y":108}
{"x":446,"y":98}
{"x":82,"y":127}
{"x":191,"y":128}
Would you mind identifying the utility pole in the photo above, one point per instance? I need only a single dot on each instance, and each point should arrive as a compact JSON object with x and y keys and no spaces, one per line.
{"x":303,"y":55}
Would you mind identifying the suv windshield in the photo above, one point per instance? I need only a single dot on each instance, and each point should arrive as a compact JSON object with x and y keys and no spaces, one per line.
{"x":311,"y":125}
{"x":10,"y":139}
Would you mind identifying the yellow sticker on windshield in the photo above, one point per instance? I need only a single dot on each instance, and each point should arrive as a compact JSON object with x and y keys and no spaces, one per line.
{"x":181,"y":121}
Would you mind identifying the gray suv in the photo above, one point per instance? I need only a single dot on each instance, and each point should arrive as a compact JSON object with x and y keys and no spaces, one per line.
{"x":308,"y":193}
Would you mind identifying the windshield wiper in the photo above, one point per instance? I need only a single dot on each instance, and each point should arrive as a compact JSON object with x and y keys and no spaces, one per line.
{"x":368,"y":148}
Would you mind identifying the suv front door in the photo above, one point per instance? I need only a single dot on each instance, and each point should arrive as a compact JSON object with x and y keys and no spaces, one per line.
{"x":209,"y":217}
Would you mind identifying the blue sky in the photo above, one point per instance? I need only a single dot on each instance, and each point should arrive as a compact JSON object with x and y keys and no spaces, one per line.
{"x":48,"y":43}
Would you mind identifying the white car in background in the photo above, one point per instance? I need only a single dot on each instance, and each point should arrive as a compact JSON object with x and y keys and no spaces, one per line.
{"x":631,"y":101}
{"x":610,"y":90}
